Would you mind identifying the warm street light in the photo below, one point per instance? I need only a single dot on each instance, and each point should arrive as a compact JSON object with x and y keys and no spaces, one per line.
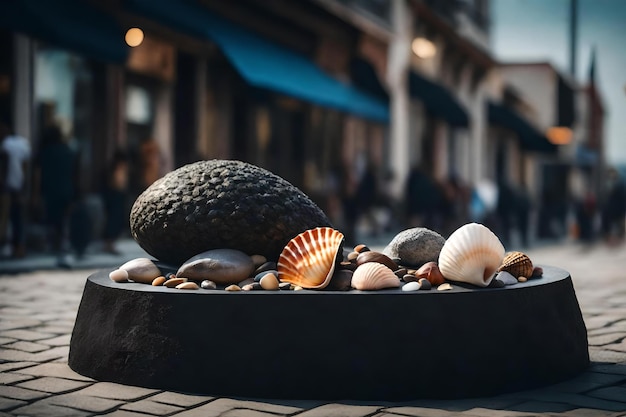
{"x":134,"y":37}
{"x":559,"y":135}
{"x":423,"y":48}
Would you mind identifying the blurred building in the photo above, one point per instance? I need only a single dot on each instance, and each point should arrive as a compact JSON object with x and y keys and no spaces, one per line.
{"x":317,"y":91}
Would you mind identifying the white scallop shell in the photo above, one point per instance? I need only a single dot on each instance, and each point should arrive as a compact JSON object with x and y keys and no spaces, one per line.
{"x":309,"y":259}
{"x":374,"y":276}
{"x":471,"y":254}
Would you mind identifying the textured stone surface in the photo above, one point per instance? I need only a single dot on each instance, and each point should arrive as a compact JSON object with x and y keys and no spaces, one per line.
{"x":221,"y":204}
{"x":415,"y":246}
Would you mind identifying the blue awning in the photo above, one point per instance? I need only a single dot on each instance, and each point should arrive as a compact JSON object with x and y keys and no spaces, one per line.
{"x":263,"y":63}
{"x":530,"y":138}
{"x":438,"y":100}
{"x":70,"y":24}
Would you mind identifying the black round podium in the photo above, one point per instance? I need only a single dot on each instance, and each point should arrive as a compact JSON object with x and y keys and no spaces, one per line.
{"x":382,"y":345}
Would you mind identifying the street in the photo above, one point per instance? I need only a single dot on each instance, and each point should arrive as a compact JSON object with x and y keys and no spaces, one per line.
{"x":37,"y":312}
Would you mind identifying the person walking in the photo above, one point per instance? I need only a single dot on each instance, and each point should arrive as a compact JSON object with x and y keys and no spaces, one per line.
{"x":57,"y":179}
{"x":114,"y":197}
{"x":16,"y":154}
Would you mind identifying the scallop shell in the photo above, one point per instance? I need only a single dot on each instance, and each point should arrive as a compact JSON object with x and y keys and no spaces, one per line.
{"x":309,"y":259}
{"x":517,"y":264}
{"x":374,"y":276}
{"x":471,"y":254}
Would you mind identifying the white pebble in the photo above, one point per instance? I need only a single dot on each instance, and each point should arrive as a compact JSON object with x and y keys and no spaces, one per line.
{"x":444,"y":287}
{"x":119,"y":275}
{"x":411,"y":286}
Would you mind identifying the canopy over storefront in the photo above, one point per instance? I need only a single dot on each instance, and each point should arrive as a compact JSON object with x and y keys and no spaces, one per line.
{"x":530,"y":138}
{"x":438,"y":100}
{"x":263,"y":63}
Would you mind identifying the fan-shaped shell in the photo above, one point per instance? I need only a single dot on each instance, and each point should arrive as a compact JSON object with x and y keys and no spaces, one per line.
{"x":374,"y":276}
{"x":309,"y":259}
{"x":471,"y":254}
{"x":517,"y":264}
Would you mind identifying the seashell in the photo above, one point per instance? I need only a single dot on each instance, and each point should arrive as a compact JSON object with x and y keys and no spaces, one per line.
{"x":119,"y":275}
{"x":411,"y":286}
{"x":141,"y":270}
{"x":471,"y":254}
{"x":309,"y":259}
{"x":374,"y":276}
{"x":518,"y":264}
{"x":371,"y":256}
{"x":430,"y":271}
{"x":444,"y":287}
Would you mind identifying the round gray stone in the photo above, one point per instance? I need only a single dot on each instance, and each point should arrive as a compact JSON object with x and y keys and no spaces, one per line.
{"x":414,"y":247}
{"x":221,"y":204}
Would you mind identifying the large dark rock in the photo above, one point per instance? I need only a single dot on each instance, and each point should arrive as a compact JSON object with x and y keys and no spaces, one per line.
{"x":221,"y":204}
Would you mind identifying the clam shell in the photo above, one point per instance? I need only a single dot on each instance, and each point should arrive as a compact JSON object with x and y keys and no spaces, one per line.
{"x":309,"y":259}
{"x":374,"y":276}
{"x":471,"y":254}
{"x":517,"y":264}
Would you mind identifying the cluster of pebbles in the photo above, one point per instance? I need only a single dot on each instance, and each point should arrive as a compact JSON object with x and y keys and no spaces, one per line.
{"x":315,"y":259}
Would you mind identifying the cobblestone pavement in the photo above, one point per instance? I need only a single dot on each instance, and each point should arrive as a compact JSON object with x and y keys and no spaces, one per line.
{"x":37,"y":312}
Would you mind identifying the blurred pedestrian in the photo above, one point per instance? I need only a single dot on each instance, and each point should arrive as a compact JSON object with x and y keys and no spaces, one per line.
{"x":57,"y":181}
{"x":114,"y":197}
{"x":522,"y":209}
{"x":614,"y":210}
{"x":422,"y":197}
{"x":16,"y":154}
{"x":150,"y":162}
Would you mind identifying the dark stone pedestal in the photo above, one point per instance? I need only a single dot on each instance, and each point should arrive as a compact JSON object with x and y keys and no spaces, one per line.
{"x":383,"y":345}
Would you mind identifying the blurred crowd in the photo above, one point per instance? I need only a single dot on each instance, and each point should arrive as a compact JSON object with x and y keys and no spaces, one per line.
{"x":44,"y":187}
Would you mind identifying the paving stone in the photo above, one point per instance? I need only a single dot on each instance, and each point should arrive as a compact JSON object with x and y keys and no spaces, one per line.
{"x":84,"y":402}
{"x":181,"y":400}
{"x":488,"y":412}
{"x":151,"y":407}
{"x":6,"y":340}
{"x":63,"y":340}
{"x":340,"y":410}
{"x":616,"y":393}
{"x":47,"y":410}
{"x":7,"y":378}
{"x":27,"y":346}
{"x":604,"y":355}
{"x":122,"y":413}
{"x":116,"y":391}
{"x":8,"y":366}
{"x":20,"y":393}
{"x":590,"y":412}
{"x":620,"y":347}
{"x":419,"y":412}
{"x":16,"y":323}
{"x":53,"y":385}
{"x":220,"y":406}
{"x":243,"y":412}
{"x":54,"y":369}
{"x":587,"y":381}
{"x":606,"y":339}
{"x":580,"y":401}
{"x":9,"y":403}
{"x":609,"y":368}
{"x":43,"y":356}
{"x":28,"y":335}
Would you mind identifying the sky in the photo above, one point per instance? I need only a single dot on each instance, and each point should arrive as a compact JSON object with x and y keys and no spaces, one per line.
{"x":538,"y":30}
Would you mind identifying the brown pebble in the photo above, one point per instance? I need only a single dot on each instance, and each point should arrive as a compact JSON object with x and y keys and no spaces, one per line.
{"x":247,"y":287}
{"x":537,"y":272}
{"x":258,"y":260}
{"x":269,"y":282}
{"x":411,"y":271}
{"x":522,"y":279}
{"x":409,"y":278}
{"x":361,"y":248}
{"x":232,"y":288}
{"x":172,"y":282}
{"x":246,"y":282}
{"x":400,"y":272}
{"x":352,"y":256}
{"x":267,"y":266}
{"x":381,"y":258}
{"x":158,"y":281}
{"x":189,"y":285}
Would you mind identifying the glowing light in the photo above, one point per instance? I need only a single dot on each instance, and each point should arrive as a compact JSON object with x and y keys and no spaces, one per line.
{"x":559,"y":135}
{"x":134,"y":37}
{"x":423,"y":48}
